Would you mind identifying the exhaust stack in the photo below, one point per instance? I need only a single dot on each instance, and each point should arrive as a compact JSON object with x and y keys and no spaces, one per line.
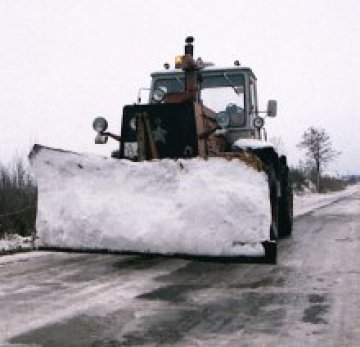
{"x":190,"y":68}
{"x":189,"y":48}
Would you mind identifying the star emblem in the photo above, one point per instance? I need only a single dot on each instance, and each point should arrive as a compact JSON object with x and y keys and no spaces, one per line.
{"x":159,"y":133}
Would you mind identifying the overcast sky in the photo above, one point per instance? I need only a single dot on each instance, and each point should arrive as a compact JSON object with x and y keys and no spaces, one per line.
{"x":62,"y":63}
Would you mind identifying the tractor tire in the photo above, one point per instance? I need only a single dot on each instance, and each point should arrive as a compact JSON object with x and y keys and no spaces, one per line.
{"x":285,"y":201}
{"x":285,"y":217}
{"x":270,"y":252}
{"x":271,"y":161}
{"x":270,"y":247}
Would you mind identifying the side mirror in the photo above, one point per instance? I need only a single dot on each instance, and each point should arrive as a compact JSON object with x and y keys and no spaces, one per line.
{"x":271,"y":108}
{"x":159,"y":94}
{"x":100,"y":124}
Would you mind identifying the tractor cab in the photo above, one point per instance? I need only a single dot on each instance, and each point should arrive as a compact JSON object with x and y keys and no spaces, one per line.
{"x":228,"y":94}
{"x":196,"y":109}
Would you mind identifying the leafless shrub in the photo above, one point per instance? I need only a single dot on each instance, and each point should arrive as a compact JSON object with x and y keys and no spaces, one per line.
{"x":331,"y":184}
{"x":304,"y":178}
{"x":298,"y":178}
{"x":352,"y":179}
{"x":17,"y":199}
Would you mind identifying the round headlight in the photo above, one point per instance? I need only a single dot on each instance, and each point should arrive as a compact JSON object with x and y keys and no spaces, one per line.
{"x":223,"y":119}
{"x":258,"y":122}
{"x":159,"y":94}
{"x":132,"y":123}
{"x":100,"y":124}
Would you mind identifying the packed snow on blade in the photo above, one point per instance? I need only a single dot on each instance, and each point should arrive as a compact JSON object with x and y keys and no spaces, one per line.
{"x":213,"y":207}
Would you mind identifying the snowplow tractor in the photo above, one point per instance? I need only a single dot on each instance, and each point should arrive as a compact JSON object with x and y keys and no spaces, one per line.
{"x":192,"y":175}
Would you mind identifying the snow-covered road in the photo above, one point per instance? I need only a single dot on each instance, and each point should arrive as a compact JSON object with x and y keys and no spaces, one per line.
{"x":310,"y":298}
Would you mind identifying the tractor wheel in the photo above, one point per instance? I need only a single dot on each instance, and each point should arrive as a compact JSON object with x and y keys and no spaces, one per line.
{"x":286,"y":218}
{"x":270,"y":248}
{"x":285,"y":208}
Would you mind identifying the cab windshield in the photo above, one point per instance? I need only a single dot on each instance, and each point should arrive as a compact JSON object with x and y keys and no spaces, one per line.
{"x":218,"y":89}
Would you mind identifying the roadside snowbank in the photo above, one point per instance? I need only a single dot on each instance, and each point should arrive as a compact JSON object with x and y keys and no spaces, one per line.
{"x":308,"y":202}
{"x":190,"y":206}
{"x":14,"y":243}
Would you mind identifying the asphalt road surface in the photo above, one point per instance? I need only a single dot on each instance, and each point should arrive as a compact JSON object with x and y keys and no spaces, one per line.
{"x":311,"y":298}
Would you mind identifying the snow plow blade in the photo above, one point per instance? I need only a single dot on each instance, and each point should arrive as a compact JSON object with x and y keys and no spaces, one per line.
{"x":197,"y":207}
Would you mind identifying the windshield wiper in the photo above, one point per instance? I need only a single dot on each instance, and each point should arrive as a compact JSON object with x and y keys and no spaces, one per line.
{"x":236,"y":90}
{"x":179,"y":80}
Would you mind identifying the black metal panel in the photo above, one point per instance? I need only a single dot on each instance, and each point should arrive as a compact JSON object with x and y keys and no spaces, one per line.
{"x":172,"y":126}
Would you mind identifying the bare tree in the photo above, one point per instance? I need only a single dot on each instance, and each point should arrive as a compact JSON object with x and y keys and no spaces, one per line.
{"x":319,"y":150}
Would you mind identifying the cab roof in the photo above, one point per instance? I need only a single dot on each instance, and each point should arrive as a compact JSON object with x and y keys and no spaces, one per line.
{"x":209,"y":69}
